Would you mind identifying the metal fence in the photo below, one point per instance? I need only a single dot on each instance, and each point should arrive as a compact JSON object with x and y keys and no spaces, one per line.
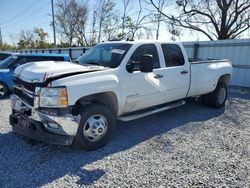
{"x":73,"y":52}
{"x":237,"y":50}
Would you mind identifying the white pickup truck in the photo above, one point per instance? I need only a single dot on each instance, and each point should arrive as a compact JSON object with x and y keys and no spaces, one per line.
{"x":79,"y":103}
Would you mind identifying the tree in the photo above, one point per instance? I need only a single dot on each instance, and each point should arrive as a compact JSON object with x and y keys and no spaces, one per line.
{"x":135,"y":25}
{"x":5,"y":46}
{"x":41,"y":36}
{"x":35,"y":38}
{"x":159,"y":17}
{"x":26,"y":39}
{"x":93,"y":28}
{"x":80,"y":30}
{"x":217,"y":19}
{"x":105,"y":13}
{"x":71,"y":19}
{"x":14,"y":39}
{"x":156,"y":16}
{"x":125,"y":4}
{"x":132,"y":23}
{"x":110,"y":27}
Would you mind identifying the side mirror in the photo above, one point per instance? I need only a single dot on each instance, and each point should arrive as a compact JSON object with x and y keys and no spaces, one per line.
{"x":130,"y":67}
{"x":146,"y":64}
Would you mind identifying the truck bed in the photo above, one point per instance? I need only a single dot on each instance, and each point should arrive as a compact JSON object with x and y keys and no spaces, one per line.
{"x":203,"y":77}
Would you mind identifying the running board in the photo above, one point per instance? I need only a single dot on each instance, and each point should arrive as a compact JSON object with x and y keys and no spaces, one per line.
{"x":137,"y":116}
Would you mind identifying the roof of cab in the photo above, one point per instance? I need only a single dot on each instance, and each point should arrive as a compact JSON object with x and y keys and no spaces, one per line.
{"x":141,"y":42}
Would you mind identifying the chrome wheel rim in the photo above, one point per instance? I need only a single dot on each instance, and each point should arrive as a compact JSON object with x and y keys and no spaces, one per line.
{"x":95,"y":128}
{"x":2,"y":90}
{"x":222,"y":95}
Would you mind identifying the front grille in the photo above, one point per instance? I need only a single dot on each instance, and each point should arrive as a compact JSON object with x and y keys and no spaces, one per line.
{"x":23,"y":96}
{"x":24,"y":90}
{"x":29,"y":86}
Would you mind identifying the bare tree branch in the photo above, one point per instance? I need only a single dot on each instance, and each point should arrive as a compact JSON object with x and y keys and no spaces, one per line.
{"x":221,"y":19}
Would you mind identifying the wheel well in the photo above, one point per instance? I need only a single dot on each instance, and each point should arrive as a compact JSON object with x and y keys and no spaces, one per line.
{"x":225,"y":79}
{"x":107,"y":98}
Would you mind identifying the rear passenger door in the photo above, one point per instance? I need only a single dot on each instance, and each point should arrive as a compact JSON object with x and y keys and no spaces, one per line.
{"x":176,"y":74}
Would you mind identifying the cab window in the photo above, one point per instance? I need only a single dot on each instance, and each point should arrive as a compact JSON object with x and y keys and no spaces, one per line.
{"x":142,"y":50}
{"x":173,"y":55}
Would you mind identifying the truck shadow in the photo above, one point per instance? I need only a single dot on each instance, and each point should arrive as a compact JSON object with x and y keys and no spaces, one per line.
{"x":31,"y":163}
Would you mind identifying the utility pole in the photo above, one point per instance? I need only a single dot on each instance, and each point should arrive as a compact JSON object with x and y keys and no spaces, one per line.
{"x":53,"y":22}
{"x":1,"y":39}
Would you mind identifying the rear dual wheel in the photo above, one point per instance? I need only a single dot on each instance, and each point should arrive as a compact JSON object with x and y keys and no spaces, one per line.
{"x":217,"y":98}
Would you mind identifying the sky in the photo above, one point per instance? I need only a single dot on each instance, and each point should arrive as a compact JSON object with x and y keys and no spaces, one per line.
{"x":17,"y":15}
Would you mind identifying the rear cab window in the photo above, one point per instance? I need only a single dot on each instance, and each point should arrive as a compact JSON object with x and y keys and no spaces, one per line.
{"x":173,"y":55}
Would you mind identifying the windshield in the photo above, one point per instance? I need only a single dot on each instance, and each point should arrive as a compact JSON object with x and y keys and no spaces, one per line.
{"x":107,"y":55}
{"x":8,"y":62}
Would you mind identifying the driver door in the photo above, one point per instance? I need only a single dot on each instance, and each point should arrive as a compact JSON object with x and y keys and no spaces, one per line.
{"x":142,"y":90}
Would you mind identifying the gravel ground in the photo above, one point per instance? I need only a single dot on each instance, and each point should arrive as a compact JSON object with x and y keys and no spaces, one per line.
{"x":190,"y":146}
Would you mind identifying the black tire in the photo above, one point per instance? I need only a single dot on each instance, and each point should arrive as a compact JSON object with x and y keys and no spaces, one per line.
{"x":81,"y":140}
{"x":217,"y":98}
{"x":3,"y":90}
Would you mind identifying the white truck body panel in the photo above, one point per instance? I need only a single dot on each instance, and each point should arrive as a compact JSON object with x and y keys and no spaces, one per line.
{"x":204,"y":76}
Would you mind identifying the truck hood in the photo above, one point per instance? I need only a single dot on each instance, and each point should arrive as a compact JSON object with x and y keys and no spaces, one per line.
{"x":38,"y":72}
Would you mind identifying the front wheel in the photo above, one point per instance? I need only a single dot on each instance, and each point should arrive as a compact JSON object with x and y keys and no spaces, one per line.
{"x":96,"y":127}
{"x":217,"y":98}
{"x":3,"y":90}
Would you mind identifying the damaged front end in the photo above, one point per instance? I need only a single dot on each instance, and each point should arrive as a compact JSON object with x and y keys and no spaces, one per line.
{"x":42,"y":113}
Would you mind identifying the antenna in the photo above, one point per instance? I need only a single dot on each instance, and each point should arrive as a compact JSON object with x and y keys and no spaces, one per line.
{"x":128,"y":39}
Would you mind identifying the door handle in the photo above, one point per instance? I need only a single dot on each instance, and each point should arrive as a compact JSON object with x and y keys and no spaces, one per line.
{"x":184,"y":72}
{"x":157,"y":76}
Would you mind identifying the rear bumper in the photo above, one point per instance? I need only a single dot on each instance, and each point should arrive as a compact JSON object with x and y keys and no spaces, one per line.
{"x":35,"y":130}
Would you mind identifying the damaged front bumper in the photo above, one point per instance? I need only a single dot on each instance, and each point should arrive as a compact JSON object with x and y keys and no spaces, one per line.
{"x":42,"y":126}
{"x":35,"y":130}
